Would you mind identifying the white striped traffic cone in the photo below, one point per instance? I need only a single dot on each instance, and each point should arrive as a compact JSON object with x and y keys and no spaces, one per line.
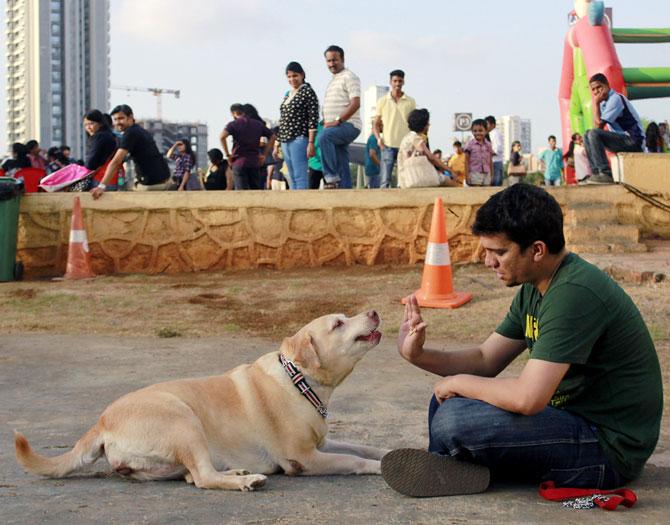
{"x":437,"y":285}
{"x":78,"y":252}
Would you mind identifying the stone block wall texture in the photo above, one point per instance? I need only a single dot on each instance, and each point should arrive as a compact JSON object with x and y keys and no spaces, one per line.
{"x":649,"y":172}
{"x":155,"y":233}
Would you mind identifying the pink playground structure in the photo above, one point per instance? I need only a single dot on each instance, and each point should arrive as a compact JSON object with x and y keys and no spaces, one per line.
{"x":589,"y":49}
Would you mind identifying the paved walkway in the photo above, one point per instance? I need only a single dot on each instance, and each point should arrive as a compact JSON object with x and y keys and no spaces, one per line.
{"x":53,"y":388}
{"x":652,"y":266}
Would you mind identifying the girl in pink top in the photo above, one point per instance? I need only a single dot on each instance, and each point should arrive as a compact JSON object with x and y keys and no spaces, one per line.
{"x":478,"y":156}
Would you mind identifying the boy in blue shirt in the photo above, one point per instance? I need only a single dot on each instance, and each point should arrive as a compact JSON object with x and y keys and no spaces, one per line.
{"x":552,"y":158}
{"x":372,"y":162}
{"x":625,"y":133}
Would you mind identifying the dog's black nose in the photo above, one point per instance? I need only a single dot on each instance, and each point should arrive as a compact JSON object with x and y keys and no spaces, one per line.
{"x":372,"y":314}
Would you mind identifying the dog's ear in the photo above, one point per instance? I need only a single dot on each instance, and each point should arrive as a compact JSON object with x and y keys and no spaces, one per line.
{"x":302,"y":351}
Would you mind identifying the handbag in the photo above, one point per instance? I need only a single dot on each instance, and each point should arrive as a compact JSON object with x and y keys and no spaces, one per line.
{"x":418,"y":172}
{"x":70,"y":178}
{"x":518,"y":171}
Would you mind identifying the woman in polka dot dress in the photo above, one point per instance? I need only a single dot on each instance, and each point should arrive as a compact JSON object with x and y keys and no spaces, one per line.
{"x":299,"y":117}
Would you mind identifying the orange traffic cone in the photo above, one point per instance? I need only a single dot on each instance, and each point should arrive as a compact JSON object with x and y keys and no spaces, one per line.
{"x":78,"y":252}
{"x":437,"y":287}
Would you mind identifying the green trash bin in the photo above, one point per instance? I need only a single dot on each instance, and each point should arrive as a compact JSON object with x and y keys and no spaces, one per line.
{"x":10,"y":195}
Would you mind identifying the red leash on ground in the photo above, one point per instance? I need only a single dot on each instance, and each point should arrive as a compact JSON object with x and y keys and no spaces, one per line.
{"x":605,"y":499}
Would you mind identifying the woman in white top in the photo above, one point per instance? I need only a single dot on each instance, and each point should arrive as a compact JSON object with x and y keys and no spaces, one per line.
{"x":416,"y":163}
{"x":582,"y":166}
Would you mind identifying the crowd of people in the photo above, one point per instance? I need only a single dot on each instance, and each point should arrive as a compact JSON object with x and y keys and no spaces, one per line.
{"x":30,"y":155}
{"x":312,"y":141}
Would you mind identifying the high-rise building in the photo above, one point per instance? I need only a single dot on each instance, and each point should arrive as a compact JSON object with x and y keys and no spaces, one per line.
{"x":370,"y":97}
{"x":57,"y":69}
{"x":167,"y":133}
{"x":513,"y":127}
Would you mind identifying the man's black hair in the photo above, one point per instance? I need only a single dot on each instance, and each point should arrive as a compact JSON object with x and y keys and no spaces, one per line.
{"x":437,"y":151}
{"x":552,"y":137}
{"x":397,"y":73}
{"x":31,"y":144}
{"x":335,"y":49}
{"x":457,"y":143}
{"x":65,"y":147}
{"x":491,"y":120}
{"x":478,"y":122}
{"x":418,"y":119}
{"x":122,"y":108}
{"x":237,"y":108}
{"x":599,"y":77}
{"x":525,"y":214}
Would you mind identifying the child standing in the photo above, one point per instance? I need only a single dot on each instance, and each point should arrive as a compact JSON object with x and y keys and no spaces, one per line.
{"x":456,"y":163}
{"x":552,"y":159}
{"x":478,"y":156}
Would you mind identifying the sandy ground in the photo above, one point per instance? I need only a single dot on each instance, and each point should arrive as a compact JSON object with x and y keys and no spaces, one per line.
{"x":68,"y":349}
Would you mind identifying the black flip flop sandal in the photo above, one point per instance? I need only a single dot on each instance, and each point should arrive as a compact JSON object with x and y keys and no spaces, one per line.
{"x":421,"y":474}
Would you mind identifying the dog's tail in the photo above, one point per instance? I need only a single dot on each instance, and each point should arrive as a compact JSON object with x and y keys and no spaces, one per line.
{"x":88,"y":449}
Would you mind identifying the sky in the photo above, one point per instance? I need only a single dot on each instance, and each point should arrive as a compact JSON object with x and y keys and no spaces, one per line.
{"x":484,"y":57}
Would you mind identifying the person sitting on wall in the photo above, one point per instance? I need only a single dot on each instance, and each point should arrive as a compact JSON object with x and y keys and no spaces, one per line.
{"x":152,"y":169}
{"x":626,"y":133}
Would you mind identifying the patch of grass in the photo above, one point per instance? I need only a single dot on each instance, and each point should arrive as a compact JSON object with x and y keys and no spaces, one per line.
{"x":234,"y":289}
{"x":168,"y":332}
{"x":232,"y":328}
{"x":658,"y":333}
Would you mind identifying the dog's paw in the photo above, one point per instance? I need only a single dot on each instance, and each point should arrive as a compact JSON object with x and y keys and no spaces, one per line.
{"x":236,"y":472}
{"x":252,"y":482}
{"x":188,"y":477}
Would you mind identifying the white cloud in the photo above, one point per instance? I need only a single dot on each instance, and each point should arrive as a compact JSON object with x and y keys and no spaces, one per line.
{"x":376,"y":47}
{"x":175,"y":20}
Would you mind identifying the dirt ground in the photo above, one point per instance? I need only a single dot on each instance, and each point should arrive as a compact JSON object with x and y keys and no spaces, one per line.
{"x":67,"y":349}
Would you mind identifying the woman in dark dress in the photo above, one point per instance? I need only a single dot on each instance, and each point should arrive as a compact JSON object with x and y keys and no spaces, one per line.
{"x":100,"y":147}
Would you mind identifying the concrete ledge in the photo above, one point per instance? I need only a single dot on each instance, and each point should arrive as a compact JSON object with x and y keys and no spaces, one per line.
{"x":170,"y":232}
{"x":647,"y":171}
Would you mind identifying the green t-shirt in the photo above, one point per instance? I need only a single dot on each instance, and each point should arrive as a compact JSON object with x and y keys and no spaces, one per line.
{"x":315,"y":161}
{"x":614,"y":380}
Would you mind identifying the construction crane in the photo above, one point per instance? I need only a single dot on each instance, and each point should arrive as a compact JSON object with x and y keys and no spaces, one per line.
{"x":156,"y":92}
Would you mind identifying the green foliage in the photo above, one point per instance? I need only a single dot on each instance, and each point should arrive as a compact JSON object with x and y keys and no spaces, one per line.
{"x":166,"y":333}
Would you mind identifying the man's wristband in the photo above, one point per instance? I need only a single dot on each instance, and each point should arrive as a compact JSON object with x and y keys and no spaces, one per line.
{"x":102,"y":186}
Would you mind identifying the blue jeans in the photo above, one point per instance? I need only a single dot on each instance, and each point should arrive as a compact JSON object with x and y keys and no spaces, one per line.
{"x":389,"y":156}
{"x":553,"y":445}
{"x":497,"y":174}
{"x":295,"y":156}
{"x":334,"y":143}
{"x":596,"y":141}
{"x":373,"y":180}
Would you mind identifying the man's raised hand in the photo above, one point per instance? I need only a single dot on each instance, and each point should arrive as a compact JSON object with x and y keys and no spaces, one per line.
{"x":412,"y":333}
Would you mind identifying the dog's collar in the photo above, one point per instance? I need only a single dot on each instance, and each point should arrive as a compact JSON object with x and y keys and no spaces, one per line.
{"x":302,"y":385}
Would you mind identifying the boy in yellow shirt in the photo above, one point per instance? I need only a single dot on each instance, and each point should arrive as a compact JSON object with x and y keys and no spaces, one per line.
{"x":457,"y":163}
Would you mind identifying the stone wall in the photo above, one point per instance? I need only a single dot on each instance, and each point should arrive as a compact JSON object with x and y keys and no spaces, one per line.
{"x":182,"y":232}
{"x":649,"y":172}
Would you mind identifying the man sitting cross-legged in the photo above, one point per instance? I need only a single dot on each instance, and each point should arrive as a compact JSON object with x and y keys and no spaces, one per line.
{"x":585,"y":410}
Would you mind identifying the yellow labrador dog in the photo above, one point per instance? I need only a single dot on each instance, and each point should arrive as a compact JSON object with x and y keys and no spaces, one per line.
{"x":257,"y":419}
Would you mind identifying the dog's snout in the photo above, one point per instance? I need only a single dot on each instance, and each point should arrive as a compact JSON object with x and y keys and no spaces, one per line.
{"x":372,"y":314}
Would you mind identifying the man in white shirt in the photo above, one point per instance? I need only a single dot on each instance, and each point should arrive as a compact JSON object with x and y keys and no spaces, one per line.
{"x":341,"y":120}
{"x":497,"y":145}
